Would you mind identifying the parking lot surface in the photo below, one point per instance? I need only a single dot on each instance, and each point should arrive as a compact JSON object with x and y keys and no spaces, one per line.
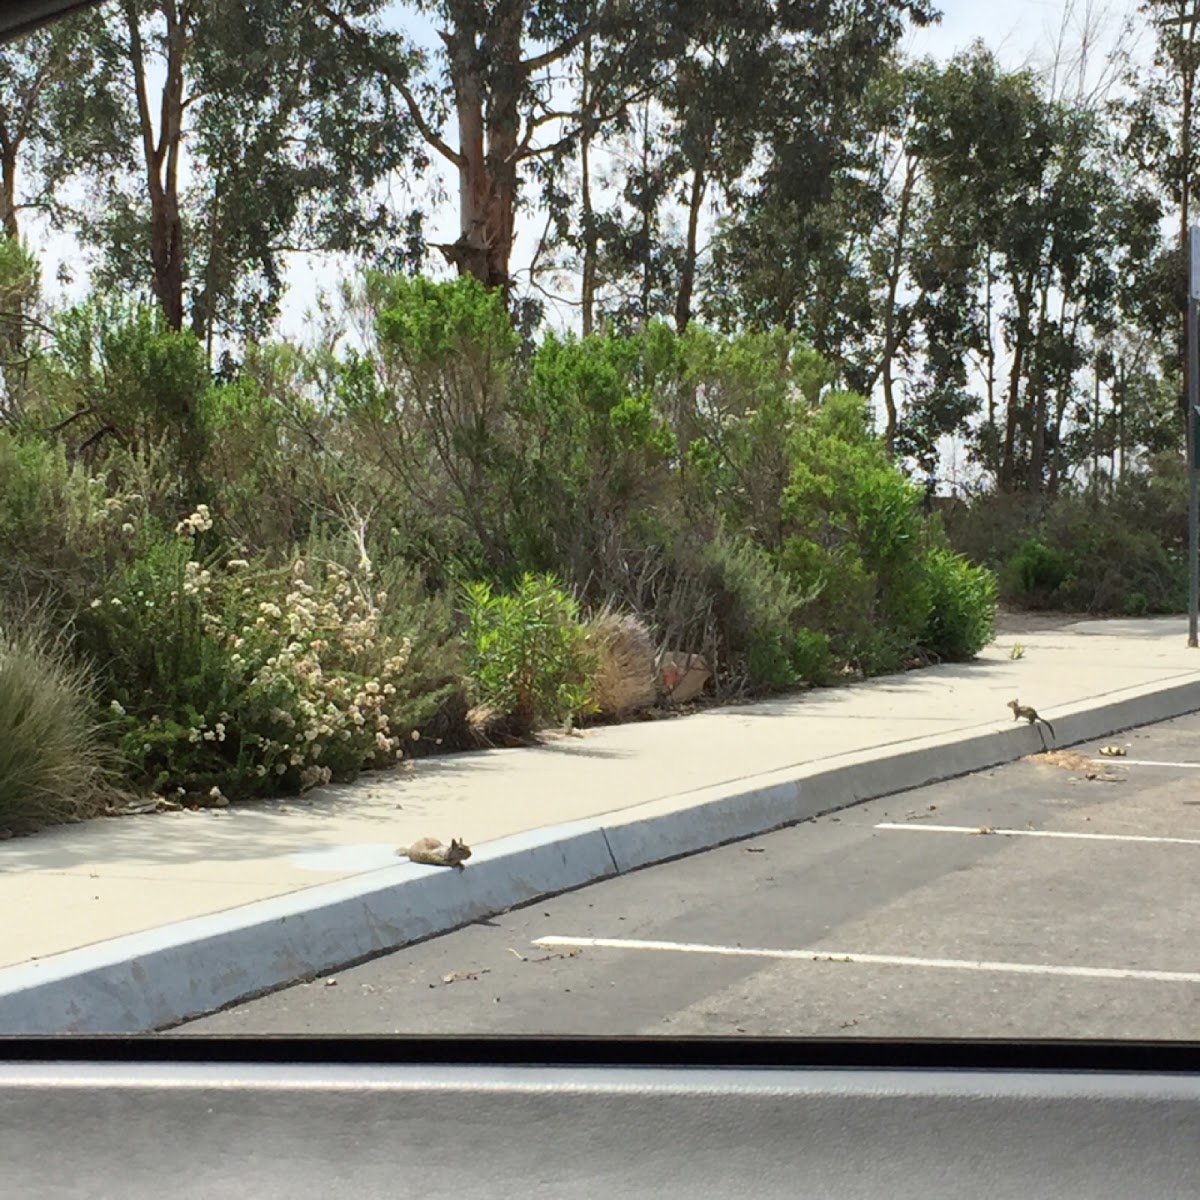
{"x":1055,"y":897}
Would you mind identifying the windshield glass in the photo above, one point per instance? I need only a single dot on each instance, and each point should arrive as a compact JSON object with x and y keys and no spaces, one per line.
{"x":594,"y":518}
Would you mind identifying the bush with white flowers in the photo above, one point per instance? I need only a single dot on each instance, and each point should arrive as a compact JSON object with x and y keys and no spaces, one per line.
{"x":224,"y":673}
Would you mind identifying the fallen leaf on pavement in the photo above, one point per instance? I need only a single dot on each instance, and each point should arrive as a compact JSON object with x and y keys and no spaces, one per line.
{"x":1069,"y":760}
{"x":752,"y":849}
{"x":986,"y":829}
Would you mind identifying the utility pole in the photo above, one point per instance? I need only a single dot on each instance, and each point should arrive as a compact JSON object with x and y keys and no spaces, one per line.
{"x":1190,"y":238}
{"x":1193,"y":410}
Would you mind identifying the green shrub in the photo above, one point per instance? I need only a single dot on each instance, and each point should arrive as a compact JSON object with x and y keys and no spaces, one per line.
{"x":811,"y":658}
{"x":269,"y":461}
{"x":526,"y":653}
{"x":140,"y":380}
{"x":963,"y":616}
{"x":1125,"y":570}
{"x":588,"y":454}
{"x":754,"y":603}
{"x":52,"y":762}
{"x":854,"y":539}
{"x":1036,"y":571}
{"x":780,"y":659}
{"x":768,"y":661}
{"x":1118,"y":550}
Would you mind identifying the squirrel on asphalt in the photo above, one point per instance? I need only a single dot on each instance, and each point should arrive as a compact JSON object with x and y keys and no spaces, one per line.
{"x":433,"y":853}
{"x":1029,"y":714}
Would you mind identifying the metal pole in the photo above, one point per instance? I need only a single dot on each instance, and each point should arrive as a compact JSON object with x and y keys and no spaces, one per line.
{"x":1193,"y":388}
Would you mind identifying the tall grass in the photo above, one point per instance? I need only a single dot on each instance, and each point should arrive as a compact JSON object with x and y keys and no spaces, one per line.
{"x":52,"y":764}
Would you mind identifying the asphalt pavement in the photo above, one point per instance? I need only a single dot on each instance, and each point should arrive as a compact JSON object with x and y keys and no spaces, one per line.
{"x":1026,"y":901}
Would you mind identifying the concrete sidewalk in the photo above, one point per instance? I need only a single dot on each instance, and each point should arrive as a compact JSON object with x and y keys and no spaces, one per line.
{"x":311,"y":884}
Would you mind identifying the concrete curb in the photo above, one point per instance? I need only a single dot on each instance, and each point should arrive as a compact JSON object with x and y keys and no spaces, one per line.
{"x":162,"y":976}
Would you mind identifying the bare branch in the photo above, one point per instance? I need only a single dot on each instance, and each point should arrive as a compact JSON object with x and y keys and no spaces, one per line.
{"x":524,"y":150}
{"x":20,"y":318}
{"x":61,"y":425}
{"x":388,"y":70}
{"x":538,"y":61}
{"x":143,"y":100}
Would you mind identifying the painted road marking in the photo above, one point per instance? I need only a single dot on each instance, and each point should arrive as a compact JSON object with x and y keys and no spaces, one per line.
{"x":1117,"y":760}
{"x":1048,"y":833}
{"x":886,"y":960}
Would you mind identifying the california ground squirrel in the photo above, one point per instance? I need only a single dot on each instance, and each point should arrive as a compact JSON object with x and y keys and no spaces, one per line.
{"x":434,"y":853}
{"x":1030,"y":714}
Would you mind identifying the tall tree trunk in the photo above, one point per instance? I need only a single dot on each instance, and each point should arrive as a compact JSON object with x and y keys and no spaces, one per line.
{"x":487,"y":79}
{"x":1187,"y":86}
{"x":1062,"y":392}
{"x":687,"y":273}
{"x":647,"y":223}
{"x":1039,"y":386}
{"x":892,"y":335}
{"x":587,"y":290}
{"x":1118,"y":468}
{"x":1016,"y":369}
{"x":8,"y":187}
{"x":162,"y":158}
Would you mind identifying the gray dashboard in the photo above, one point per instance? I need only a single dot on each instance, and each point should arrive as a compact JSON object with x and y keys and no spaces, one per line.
{"x":266,"y":1129}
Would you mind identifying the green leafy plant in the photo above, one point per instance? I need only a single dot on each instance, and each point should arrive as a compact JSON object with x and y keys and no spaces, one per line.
{"x":962,"y":619}
{"x":811,"y":658}
{"x":854,"y":540}
{"x":1036,"y":571}
{"x":527,"y":655}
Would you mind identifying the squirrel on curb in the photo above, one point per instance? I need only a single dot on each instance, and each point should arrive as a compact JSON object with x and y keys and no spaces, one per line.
{"x":1029,"y":714}
{"x":433,"y":853}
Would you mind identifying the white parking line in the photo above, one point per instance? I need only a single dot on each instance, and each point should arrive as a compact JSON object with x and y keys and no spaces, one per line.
{"x":1118,"y":761}
{"x":1047,"y":833}
{"x":886,"y":960}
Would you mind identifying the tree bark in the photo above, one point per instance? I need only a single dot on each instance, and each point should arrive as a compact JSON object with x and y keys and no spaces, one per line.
{"x":1037,"y":396}
{"x":1020,"y":349}
{"x":487,"y":79}
{"x":162,"y":158}
{"x":892,"y":334}
{"x":8,"y":188}
{"x":587,"y":291}
{"x":687,"y":273}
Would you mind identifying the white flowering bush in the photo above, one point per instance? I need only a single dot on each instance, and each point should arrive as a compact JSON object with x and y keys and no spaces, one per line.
{"x":229,"y":678}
